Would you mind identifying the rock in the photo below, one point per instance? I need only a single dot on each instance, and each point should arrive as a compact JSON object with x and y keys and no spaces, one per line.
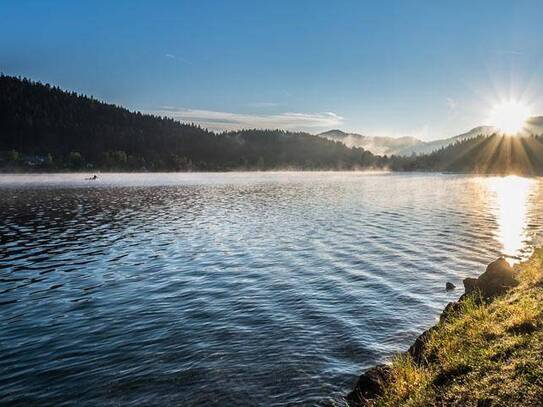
{"x":449,"y":286}
{"x":498,"y":274}
{"x":496,"y":280}
{"x":417,"y":349}
{"x":369,"y":386}
{"x":470,"y":285}
{"x":451,"y":309}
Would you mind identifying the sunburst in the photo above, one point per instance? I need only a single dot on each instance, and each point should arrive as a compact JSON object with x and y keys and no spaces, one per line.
{"x":509,"y":116}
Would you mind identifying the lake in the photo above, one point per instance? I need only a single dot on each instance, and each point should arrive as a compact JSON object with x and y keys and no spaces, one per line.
{"x":238,"y":288}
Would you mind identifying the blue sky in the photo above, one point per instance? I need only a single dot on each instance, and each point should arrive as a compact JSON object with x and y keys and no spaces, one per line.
{"x":430,"y":69}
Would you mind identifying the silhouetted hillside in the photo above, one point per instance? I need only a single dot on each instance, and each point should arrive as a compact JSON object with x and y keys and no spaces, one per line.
{"x":46,"y":128}
{"x":495,"y":154}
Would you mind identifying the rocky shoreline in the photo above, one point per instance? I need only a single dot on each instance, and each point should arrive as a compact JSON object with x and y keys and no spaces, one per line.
{"x":498,"y":278}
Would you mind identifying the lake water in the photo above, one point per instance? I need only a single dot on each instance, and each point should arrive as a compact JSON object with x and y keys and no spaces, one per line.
{"x":235,"y":289}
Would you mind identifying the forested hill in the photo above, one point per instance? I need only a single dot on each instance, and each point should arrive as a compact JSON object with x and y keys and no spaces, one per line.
{"x":494,"y":154}
{"x":45,"y":128}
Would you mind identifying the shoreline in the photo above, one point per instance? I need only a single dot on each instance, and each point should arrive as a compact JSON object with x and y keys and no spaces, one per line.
{"x":270,"y":170}
{"x":422,"y":376}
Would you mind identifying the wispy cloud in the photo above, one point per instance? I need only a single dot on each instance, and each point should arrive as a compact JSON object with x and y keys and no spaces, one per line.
{"x":263,"y":104}
{"x":507,"y":52}
{"x":177,"y":58}
{"x":220,"y":121}
{"x":451,"y":103}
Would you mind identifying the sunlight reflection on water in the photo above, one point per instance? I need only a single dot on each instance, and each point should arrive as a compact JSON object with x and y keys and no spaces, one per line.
{"x":510,"y":199}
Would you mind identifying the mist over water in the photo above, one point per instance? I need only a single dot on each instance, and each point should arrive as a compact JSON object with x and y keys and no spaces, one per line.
{"x":237,"y":288}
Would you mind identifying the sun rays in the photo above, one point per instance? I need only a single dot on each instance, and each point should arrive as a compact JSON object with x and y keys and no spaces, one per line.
{"x":509,"y":117}
{"x":497,"y":154}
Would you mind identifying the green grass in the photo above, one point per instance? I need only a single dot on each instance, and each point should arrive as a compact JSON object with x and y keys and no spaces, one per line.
{"x":484,"y":355}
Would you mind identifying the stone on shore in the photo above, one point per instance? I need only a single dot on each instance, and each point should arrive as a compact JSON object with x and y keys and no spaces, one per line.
{"x":419,"y":346}
{"x":449,"y":286}
{"x":369,"y":386}
{"x":496,"y":280}
{"x":452,"y":309}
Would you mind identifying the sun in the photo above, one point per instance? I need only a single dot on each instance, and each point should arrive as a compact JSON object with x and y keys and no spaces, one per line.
{"x":509,"y":117}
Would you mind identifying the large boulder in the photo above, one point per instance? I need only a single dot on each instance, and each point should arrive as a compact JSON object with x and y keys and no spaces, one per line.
{"x":496,"y":280}
{"x":369,"y":386}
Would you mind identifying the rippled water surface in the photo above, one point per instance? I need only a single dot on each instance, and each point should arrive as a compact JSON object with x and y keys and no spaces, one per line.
{"x":234,"y":289}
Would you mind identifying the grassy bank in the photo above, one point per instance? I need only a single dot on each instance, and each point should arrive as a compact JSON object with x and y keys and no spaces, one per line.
{"x":484,"y":354}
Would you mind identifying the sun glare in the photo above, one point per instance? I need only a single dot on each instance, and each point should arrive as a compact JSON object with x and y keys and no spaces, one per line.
{"x":510,"y":196}
{"x":509,"y":117}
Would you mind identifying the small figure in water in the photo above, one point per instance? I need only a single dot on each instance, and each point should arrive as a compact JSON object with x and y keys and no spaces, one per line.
{"x":93,"y":178}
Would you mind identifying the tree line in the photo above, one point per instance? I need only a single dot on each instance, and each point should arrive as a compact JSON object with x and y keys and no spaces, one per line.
{"x":495,"y":154}
{"x":44,"y":128}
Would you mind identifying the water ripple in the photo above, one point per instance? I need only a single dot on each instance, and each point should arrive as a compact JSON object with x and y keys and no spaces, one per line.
{"x":232,"y":289}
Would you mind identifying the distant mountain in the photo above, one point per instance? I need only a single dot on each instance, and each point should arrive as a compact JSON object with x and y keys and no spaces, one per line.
{"x":376,"y":145}
{"x":406,"y":146}
{"x":431,"y":146}
{"x":534,"y":125}
{"x":493,"y":154}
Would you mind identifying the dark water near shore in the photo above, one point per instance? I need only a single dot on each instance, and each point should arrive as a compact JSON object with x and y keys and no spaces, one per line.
{"x":234,"y":289}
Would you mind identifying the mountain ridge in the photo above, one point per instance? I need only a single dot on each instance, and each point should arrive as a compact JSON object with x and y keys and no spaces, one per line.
{"x":380,"y":145}
{"x":407,"y":145}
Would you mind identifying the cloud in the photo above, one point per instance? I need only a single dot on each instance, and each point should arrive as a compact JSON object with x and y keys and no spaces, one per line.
{"x":507,"y":52}
{"x":177,"y":58}
{"x":451,"y":103}
{"x":262,"y":104}
{"x":220,"y":121}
